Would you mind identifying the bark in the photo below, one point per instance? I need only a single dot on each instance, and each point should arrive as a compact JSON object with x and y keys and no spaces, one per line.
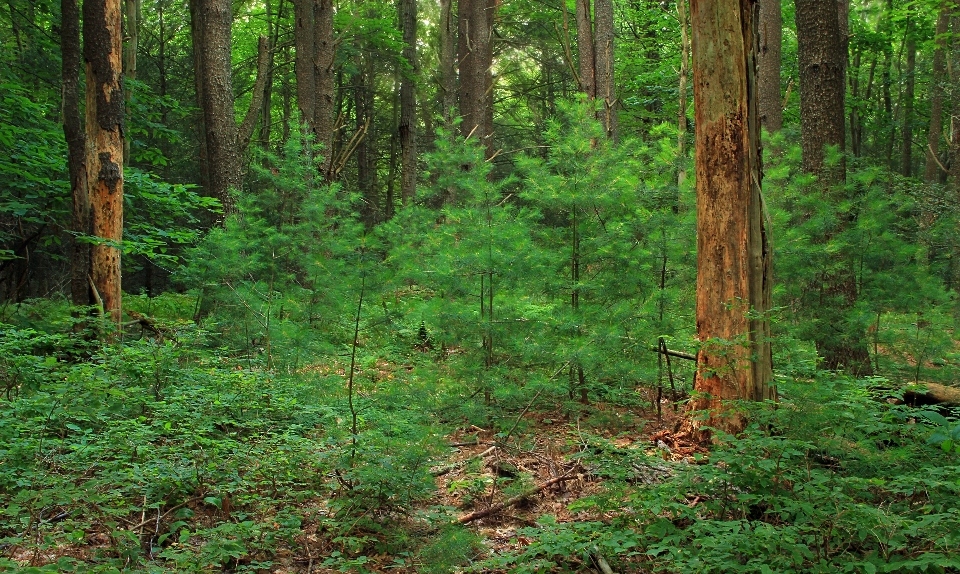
{"x":366,"y":158}
{"x":76,"y":151}
{"x":448,"y":70}
{"x":303,"y":67}
{"x":196,"y":35}
{"x":684,"y":77}
{"x":954,"y":177}
{"x":733,"y":255}
{"x":931,"y":172}
{"x":821,"y":65}
{"x":768,"y":79}
{"x":475,"y":53}
{"x":585,"y":49}
{"x":906,"y":157}
{"x":407,"y":128}
{"x":256,"y":109}
{"x":103,"y":51}
{"x":326,"y":50}
{"x":130,"y":57}
{"x":220,"y":127}
{"x":604,"y":58}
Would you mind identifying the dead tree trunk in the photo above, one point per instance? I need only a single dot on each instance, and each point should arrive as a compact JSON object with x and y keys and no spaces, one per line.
{"x":733,"y":254}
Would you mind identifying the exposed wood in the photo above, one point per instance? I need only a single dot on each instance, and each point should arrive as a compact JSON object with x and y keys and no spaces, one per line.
{"x":103,"y":49}
{"x":734,"y":259}
{"x":678,"y":354}
{"x":932,"y":393}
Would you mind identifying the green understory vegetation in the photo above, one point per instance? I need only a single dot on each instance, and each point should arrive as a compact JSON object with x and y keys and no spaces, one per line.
{"x":283,"y":410}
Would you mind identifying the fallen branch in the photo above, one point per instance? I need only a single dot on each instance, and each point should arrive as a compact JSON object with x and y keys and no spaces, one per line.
{"x":672,"y":353}
{"x":477,"y":514}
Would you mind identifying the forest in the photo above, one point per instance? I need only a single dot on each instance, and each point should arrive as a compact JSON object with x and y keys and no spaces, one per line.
{"x":454,"y":286}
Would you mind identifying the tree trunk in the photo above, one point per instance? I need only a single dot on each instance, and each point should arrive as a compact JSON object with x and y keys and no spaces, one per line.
{"x":305,"y":71}
{"x":196,"y":36}
{"x":954,"y":70}
{"x":76,"y":151}
{"x":768,"y":79}
{"x":821,"y":65}
{"x":931,"y":172}
{"x":215,"y":27}
{"x":407,"y":127}
{"x":906,"y":157}
{"x":585,"y":49}
{"x":448,"y":70}
{"x":256,"y":109}
{"x":475,"y":52}
{"x":684,"y":16}
{"x":733,"y":256}
{"x":130,"y":59}
{"x":326,"y":52}
{"x":103,"y":50}
{"x":604,"y":59}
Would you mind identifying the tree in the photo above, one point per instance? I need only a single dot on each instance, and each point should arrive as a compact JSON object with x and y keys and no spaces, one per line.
{"x":76,"y":150}
{"x":102,"y":52}
{"x":316,"y":55}
{"x":408,"y":102}
{"x":768,"y":80}
{"x":475,"y":54}
{"x":733,"y":254}
{"x":595,"y":44}
{"x":212,"y":22}
{"x":931,"y":172}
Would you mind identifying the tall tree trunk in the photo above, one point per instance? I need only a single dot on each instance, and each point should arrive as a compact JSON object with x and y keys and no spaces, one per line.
{"x":199,"y":73}
{"x":954,"y":70}
{"x":304,"y":38}
{"x":76,"y":152}
{"x":407,"y":127}
{"x":604,"y":59}
{"x":684,"y":17}
{"x":256,"y":109}
{"x":821,"y":61}
{"x":448,"y":70}
{"x":103,"y":52}
{"x":906,"y":157}
{"x":733,"y":256}
{"x":586,"y":56}
{"x":931,"y":172}
{"x":215,"y":27}
{"x":475,"y":53}
{"x":326,"y":52}
{"x":768,"y":79}
{"x":130,"y":58}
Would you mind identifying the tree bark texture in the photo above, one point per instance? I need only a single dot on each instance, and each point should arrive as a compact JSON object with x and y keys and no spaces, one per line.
{"x":475,"y":53}
{"x":931,"y":172}
{"x":103,"y":56}
{"x":604,"y":57}
{"x":76,"y":152}
{"x":906,"y":157}
{"x":448,"y":69}
{"x":684,"y":17}
{"x":256,"y":109}
{"x":130,"y":58}
{"x":585,"y":49}
{"x":954,"y":70}
{"x":220,"y":126}
{"x":407,"y":128}
{"x":733,"y":254}
{"x":196,"y":35}
{"x":821,"y":65}
{"x":303,"y":34}
{"x":769,"y":58}
{"x":326,"y":51}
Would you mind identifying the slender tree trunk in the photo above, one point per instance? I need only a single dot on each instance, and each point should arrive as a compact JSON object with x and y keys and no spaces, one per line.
{"x":304,"y":38}
{"x":822,"y":62}
{"x":256,"y":109}
{"x":585,"y":49}
{"x":604,"y":59}
{"x":216,"y":22}
{"x":733,"y":255}
{"x":684,"y":17}
{"x":954,"y":70}
{"x":906,"y":158}
{"x":196,"y":36}
{"x":448,"y":70}
{"x":475,"y":53}
{"x":103,"y":50}
{"x":76,"y":152}
{"x":768,"y":79}
{"x":407,"y":128}
{"x":931,"y":172}
{"x":130,"y":58}
{"x":326,"y":52}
